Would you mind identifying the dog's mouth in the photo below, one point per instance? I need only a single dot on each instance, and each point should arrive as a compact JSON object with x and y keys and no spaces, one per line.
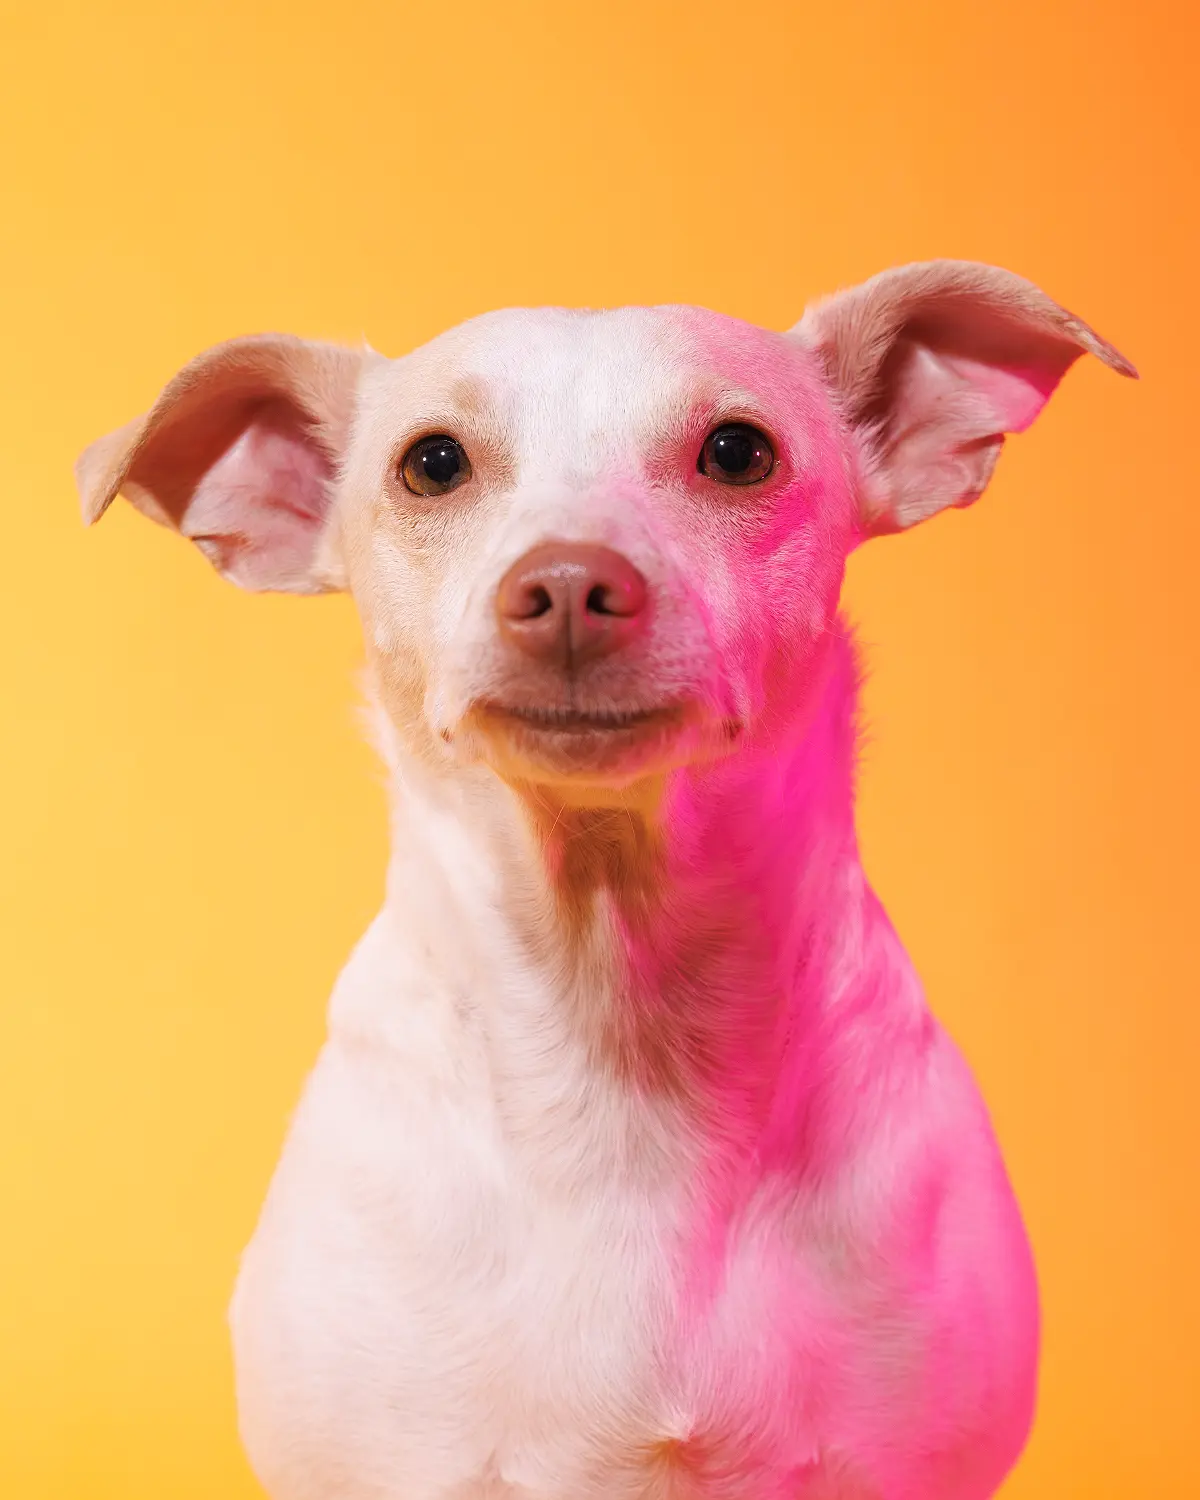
{"x":606,"y":743}
{"x":578,"y":720}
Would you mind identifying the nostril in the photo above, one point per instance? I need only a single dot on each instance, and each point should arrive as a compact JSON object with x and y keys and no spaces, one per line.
{"x":598,"y":600}
{"x":619,"y":596}
{"x":538,"y":602}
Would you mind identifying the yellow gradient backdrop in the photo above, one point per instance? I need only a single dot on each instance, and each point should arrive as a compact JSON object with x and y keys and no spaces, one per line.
{"x":192,"y":833}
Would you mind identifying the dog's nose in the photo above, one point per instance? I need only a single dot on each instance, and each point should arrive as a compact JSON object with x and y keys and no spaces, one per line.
{"x":567,"y":603}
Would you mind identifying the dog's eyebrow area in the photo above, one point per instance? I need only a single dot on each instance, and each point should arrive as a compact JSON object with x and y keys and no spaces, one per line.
{"x":709,"y":403}
{"x":677,"y":429}
{"x":466,"y":409}
{"x":465,"y":406}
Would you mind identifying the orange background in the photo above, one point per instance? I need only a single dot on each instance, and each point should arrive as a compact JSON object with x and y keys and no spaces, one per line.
{"x":193,"y":833}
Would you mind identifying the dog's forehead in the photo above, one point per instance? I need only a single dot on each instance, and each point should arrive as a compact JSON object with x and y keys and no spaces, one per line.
{"x":543,"y":346}
{"x":591,"y":369}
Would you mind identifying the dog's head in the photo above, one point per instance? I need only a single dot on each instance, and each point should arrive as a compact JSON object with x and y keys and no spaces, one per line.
{"x":590,"y":547}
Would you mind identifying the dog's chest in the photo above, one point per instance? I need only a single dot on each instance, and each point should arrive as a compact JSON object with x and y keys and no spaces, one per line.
{"x":411,"y":1322}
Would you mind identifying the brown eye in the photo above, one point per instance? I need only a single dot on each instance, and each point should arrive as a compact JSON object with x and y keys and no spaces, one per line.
{"x":736,"y":454}
{"x":435,"y":466}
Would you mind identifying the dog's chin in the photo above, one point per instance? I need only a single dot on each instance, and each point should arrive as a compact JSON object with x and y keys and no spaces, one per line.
{"x":587,"y":749}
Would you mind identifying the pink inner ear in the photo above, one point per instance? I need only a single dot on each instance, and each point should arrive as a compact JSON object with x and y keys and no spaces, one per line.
{"x":1014,"y":393}
{"x":259,"y":510}
{"x":946,"y":420}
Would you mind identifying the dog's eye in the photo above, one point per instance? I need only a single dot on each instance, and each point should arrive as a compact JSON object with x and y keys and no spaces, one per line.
{"x":736,"y":454}
{"x":435,"y":466}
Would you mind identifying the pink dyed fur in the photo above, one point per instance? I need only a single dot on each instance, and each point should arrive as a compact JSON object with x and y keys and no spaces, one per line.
{"x":821,"y":1082}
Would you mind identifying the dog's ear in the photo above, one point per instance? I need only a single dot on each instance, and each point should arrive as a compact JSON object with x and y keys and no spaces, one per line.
{"x":239,"y":454}
{"x":932,"y":364}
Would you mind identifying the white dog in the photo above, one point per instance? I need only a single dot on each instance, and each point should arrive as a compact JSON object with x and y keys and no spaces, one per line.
{"x":634,"y":1164}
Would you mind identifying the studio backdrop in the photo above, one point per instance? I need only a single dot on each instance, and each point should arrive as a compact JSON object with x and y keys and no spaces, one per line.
{"x":192,"y":828}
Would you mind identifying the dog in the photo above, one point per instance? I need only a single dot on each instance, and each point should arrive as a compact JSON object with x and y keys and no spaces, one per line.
{"x":634,"y":1164}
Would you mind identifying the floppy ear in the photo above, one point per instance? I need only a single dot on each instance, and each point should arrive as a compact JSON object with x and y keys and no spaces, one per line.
{"x":932,"y":364}
{"x":239,"y":454}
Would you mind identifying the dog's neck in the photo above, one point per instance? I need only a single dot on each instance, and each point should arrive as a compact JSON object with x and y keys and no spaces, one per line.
{"x":713,"y":951}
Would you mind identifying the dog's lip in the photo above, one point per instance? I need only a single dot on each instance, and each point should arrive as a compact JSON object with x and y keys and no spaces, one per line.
{"x":564,"y":719}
